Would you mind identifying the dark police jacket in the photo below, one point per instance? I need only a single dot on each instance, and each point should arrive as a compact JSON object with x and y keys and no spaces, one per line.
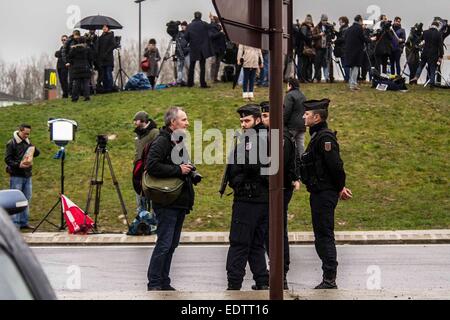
{"x":245,"y":178}
{"x":321,"y":164}
{"x":15,"y":150}
{"x":160,"y":165}
{"x":291,"y":161}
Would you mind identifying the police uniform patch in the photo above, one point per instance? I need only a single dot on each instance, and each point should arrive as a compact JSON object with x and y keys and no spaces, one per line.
{"x":328,"y":146}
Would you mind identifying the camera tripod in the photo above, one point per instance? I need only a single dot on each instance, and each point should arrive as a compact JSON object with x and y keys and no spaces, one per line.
{"x":120,"y":72}
{"x":102,"y":154}
{"x":61,"y":155}
{"x":438,"y":78}
{"x":169,"y":55}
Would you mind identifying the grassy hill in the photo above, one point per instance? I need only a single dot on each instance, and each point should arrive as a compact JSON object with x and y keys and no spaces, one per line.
{"x":395,"y":147}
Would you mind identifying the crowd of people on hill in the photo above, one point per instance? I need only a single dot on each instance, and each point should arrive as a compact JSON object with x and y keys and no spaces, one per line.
{"x":359,"y":49}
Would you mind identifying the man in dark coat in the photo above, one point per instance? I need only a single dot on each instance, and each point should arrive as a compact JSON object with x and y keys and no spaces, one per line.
{"x":182,"y":54}
{"x":105,"y":56}
{"x":19,"y":167}
{"x":339,"y":46}
{"x":398,"y":45}
{"x":293,"y":114}
{"x":160,"y":164}
{"x":383,"y":46}
{"x":354,"y":50}
{"x":80,"y":58}
{"x":432,"y":54}
{"x":218,"y":43}
{"x":197,"y":36}
{"x":63,"y":72}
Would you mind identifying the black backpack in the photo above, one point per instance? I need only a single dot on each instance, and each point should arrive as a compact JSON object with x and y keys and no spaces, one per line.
{"x":139,"y":169}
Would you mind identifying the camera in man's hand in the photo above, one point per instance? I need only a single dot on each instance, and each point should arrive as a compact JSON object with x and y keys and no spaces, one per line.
{"x":194,"y":175}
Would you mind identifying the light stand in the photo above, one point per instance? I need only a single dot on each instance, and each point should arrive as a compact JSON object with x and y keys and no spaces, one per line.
{"x":62,"y":226}
{"x":120,"y":72}
{"x":140,"y":30}
{"x":62,"y":131}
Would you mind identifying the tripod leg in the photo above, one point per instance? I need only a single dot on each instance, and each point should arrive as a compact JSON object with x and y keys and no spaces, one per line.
{"x":98,"y":190}
{"x":166,"y":57}
{"x":116,"y":185}
{"x":46,"y":216}
{"x":93,"y":180}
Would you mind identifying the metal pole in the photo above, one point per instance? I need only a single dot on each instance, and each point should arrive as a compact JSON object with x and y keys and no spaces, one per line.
{"x":63,"y":157}
{"x":276,"y":123}
{"x":140,"y":34}
{"x":140,"y":31}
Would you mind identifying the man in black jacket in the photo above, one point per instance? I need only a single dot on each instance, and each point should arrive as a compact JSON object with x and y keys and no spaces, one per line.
{"x":291,"y":182}
{"x":63,"y":72}
{"x":80,"y":58}
{"x":105,"y":58}
{"x":146,"y":131}
{"x":197,"y":35}
{"x":354,"y":52}
{"x":383,"y":44}
{"x":19,"y":169}
{"x":322,"y":172}
{"x":182,"y":54}
{"x":432,"y":54}
{"x":250,"y":204}
{"x":218,"y":43}
{"x":161,"y":164}
{"x":293,"y":114}
{"x":398,"y":45}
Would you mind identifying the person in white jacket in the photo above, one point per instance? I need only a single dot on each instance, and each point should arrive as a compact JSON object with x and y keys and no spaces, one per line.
{"x":251,"y":59}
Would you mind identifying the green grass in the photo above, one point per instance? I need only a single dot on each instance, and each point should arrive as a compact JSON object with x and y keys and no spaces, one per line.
{"x":395,"y":147}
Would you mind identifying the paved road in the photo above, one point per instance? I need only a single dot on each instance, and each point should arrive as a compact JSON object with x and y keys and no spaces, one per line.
{"x":202,"y":269}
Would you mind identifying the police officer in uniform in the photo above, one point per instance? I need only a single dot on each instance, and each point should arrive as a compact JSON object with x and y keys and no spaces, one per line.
{"x":291,"y":181}
{"x":251,"y":204}
{"x":322,"y":171}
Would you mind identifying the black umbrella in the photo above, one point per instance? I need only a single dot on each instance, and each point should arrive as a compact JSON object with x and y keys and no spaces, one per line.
{"x":97,"y":23}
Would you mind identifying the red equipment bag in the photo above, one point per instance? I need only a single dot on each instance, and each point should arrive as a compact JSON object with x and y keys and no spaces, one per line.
{"x":77,"y":221}
{"x":145,"y":64}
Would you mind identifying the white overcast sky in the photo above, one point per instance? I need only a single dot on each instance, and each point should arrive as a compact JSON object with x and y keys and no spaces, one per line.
{"x":31,"y":27}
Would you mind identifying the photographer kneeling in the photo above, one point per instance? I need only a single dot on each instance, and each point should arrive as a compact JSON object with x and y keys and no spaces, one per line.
{"x":161,"y":168}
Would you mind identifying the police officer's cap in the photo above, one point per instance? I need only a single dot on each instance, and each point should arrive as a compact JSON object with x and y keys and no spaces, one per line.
{"x":141,"y":115}
{"x":317,"y":104}
{"x":265,"y":106}
{"x":249,"y":110}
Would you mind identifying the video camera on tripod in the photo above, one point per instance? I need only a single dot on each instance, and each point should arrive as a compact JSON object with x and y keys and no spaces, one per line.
{"x":415,"y":36}
{"x":102,"y":142}
{"x":443,"y":27}
{"x":118,"y":40}
{"x":97,"y":180}
{"x":173,"y":28}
